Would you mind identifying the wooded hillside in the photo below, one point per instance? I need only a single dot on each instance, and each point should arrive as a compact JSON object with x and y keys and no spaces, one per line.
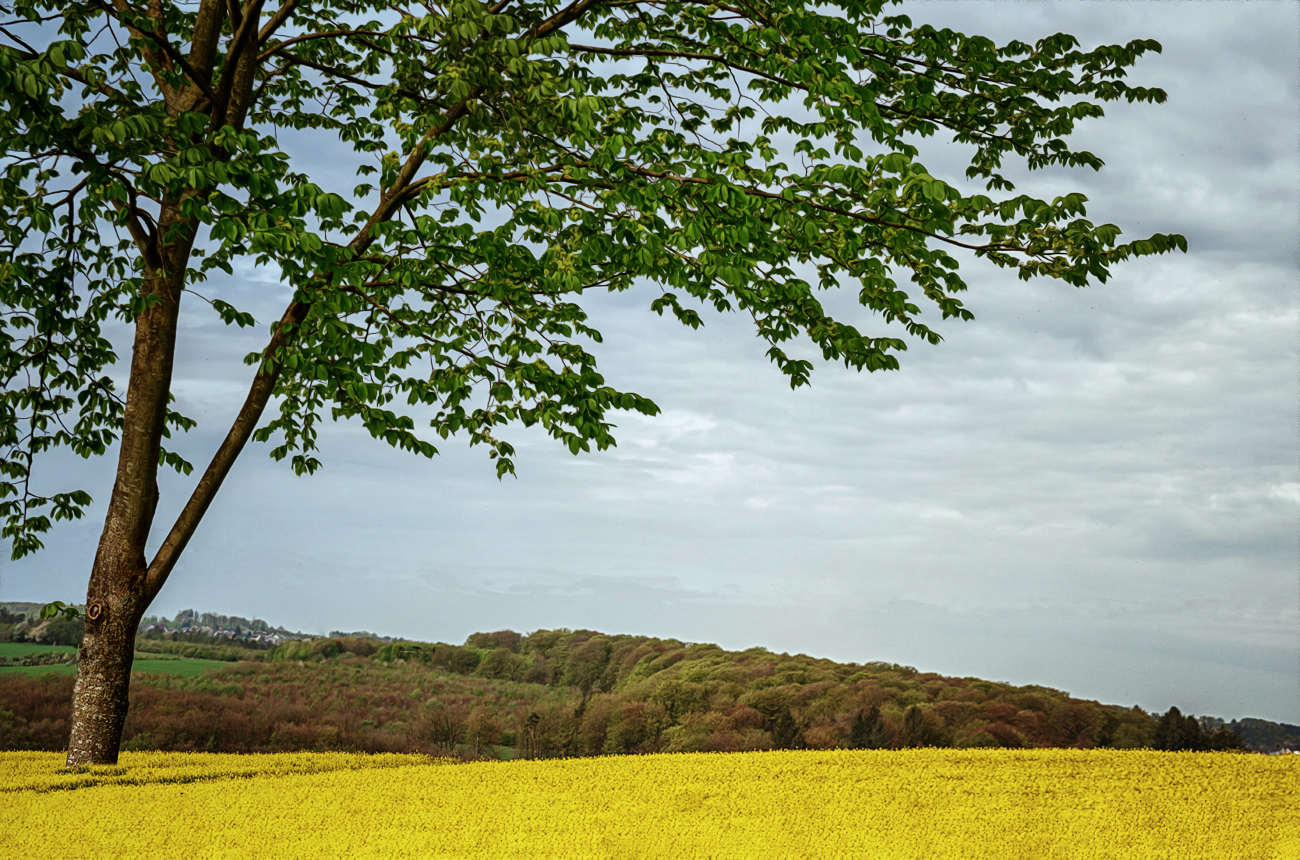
{"x":578,"y":693}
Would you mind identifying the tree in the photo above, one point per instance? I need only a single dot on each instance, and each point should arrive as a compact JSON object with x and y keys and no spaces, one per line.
{"x":1223,"y":739}
{"x":1176,"y":731}
{"x":502,"y":664}
{"x":739,"y":157}
{"x":59,"y":631}
{"x":1192,"y":737}
{"x":444,"y":725}
{"x":786,"y":733}
{"x":529,"y":735}
{"x":586,"y":663}
{"x":1073,"y":724}
{"x":912,"y":731}
{"x":1170,"y":729}
{"x":861,"y":729}
{"x":481,"y":729}
{"x":870,"y":731}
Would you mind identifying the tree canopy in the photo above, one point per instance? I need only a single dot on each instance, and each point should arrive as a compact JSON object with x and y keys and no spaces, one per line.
{"x":514,"y":155}
{"x":511,"y":156}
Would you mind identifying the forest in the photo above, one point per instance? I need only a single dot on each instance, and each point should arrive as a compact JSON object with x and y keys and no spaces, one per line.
{"x":555,"y":693}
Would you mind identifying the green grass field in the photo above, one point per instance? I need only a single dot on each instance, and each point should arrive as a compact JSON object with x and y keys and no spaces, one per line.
{"x":18,"y":649}
{"x":37,"y":671}
{"x":186,"y":667}
{"x":153,"y":664}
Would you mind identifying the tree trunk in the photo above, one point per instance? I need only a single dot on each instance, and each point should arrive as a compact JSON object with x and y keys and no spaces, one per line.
{"x":122,"y":585}
{"x":119,"y":591}
{"x":99,"y":699}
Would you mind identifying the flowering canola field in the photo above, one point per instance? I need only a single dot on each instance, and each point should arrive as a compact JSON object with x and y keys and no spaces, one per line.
{"x":931,"y":803}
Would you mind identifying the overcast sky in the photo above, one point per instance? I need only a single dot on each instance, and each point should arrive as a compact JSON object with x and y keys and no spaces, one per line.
{"x":1094,"y":490}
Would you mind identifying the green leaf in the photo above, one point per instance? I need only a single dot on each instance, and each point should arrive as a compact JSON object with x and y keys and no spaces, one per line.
{"x":57,"y":608}
{"x":517,"y":177}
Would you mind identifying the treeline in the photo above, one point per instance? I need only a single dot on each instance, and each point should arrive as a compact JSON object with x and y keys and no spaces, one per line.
{"x":208,"y":647}
{"x":1265,"y":735}
{"x":212,"y":619}
{"x":578,"y":693}
{"x":202,"y":646}
{"x":349,"y":704}
{"x":28,"y":626}
{"x":21,"y":622}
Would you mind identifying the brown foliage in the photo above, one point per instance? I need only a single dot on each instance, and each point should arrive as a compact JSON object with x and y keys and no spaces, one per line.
{"x":1006,"y":735}
{"x":1072,"y":724}
{"x":641,"y":695}
{"x":34,"y":713}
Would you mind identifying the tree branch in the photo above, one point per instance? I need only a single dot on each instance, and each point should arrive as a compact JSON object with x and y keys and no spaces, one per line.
{"x":104,"y":88}
{"x":28,"y":52}
{"x":565,"y":16}
{"x":276,"y":21}
{"x":307,"y":37}
{"x":241,"y":431}
{"x":165,"y":46}
{"x":687,"y":55}
{"x":222,"y":113}
{"x":268,"y":374}
{"x":292,"y":59}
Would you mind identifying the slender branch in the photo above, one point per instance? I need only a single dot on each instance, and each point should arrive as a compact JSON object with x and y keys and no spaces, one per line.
{"x":168,"y":50}
{"x":307,"y":37}
{"x":281,"y":15}
{"x":264,"y":382}
{"x":234,"y":60}
{"x":405,"y":326}
{"x":565,"y":16}
{"x":28,"y":53}
{"x":425,"y":182}
{"x":293,"y":59}
{"x":686,"y":55}
{"x":259,"y":394}
{"x":233,"y":11}
{"x":834,"y":210}
{"x":140,"y":223}
{"x":77,"y":75}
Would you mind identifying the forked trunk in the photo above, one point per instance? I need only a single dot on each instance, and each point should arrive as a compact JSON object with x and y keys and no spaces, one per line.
{"x":122,"y":585}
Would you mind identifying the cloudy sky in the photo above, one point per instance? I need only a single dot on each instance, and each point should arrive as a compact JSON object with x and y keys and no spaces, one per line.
{"x":1093,"y":490}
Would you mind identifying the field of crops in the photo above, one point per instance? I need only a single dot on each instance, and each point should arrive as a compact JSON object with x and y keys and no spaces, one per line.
{"x":183,"y":668}
{"x":153,"y":664}
{"x":931,"y":803}
{"x":18,"y":649}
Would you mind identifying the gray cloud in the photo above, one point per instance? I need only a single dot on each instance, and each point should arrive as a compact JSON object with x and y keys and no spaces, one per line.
{"x":1093,"y":489}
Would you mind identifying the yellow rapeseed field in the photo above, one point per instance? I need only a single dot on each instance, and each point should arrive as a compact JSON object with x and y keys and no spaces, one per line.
{"x":932,"y":803}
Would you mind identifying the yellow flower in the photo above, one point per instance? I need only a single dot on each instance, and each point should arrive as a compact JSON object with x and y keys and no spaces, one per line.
{"x":817,"y":804}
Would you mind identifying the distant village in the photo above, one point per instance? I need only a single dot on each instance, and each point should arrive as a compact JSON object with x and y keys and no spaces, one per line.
{"x":246,"y":634}
{"x":219,"y":626}
{"x":21,"y":622}
{"x":188,"y":622}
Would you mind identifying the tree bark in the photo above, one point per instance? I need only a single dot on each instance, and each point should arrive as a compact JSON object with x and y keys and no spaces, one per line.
{"x":117,"y":596}
{"x":100,"y":696}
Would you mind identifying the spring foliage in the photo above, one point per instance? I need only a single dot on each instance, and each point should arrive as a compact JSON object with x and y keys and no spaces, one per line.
{"x":565,"y":694}
{"x":511,"y":156}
